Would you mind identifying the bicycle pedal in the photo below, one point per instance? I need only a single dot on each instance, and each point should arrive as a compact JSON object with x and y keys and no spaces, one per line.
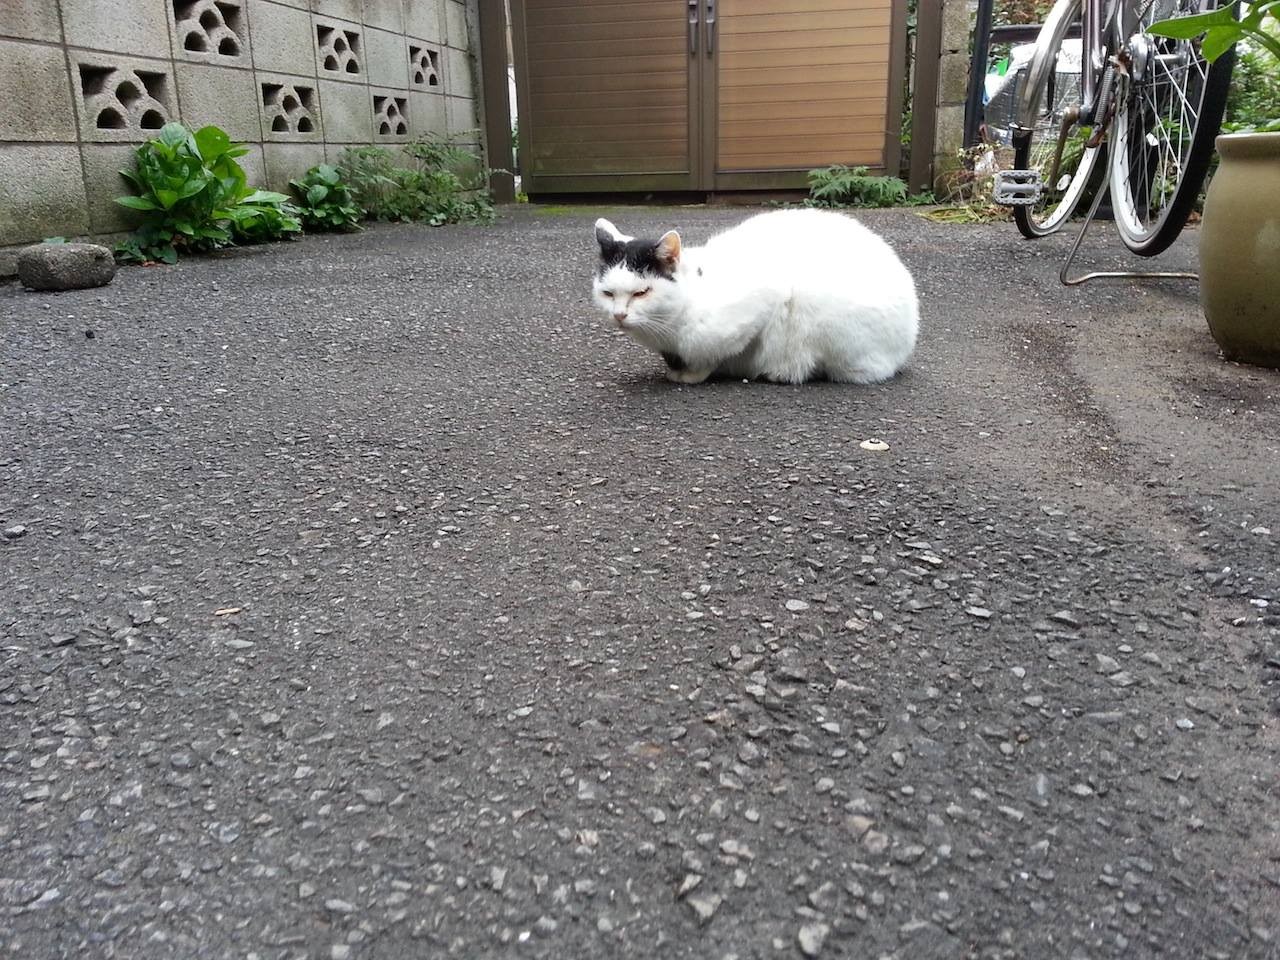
{"x":1017,"y":188}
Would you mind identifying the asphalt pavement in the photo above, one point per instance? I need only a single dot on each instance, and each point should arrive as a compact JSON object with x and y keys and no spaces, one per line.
{"x":369,"y":597}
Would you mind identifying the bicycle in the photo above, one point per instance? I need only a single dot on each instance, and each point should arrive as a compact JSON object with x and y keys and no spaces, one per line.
{"x":1141,"y":113}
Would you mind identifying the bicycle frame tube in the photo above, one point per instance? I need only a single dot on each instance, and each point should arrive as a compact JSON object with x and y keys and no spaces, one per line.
{"x":1093,"y":57}
{"x":1124,"y":20}
{"x":1092,"y":54}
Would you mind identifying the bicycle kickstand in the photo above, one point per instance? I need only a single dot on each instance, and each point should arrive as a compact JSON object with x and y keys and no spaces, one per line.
{"x":1103,"y":190}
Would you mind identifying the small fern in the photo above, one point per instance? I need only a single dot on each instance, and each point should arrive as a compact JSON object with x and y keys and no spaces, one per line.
{"x":844,"y":186}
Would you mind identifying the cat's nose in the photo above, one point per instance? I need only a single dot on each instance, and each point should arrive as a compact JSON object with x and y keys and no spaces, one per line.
{"x":619,"y":317}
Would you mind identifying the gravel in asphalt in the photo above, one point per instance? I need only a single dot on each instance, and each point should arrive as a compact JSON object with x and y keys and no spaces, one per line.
{"x":369,"y":597}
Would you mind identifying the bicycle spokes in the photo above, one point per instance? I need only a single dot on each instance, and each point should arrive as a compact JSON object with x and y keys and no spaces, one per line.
{"x":1168,"y":112}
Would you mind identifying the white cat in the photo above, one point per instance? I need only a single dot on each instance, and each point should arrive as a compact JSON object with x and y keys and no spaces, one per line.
{"x":788,"y":296}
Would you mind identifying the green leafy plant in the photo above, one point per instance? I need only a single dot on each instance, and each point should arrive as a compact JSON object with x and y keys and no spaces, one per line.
{"x":442,"y":182}
{"x":433,"y":151}
{"x":1226,"y":26}
{"x":844,"y":186}
{"x":325,"y":202}
{"x":456,"y":182}
{"x":370,"y":176}
{"x":264,"y":217}
{"x":193,"y":196}
{"x":1254,"y":100}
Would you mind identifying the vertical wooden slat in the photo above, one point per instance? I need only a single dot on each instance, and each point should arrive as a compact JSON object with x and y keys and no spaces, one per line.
{"x":897,"y":85}
{"x":497,"y":111}
{"x":834,"y":55}
{"x":607,"y":89}
{"x":924,"y":93}
{"x":611,"y":97}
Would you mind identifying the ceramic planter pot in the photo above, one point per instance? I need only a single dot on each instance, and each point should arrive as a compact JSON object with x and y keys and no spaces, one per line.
{"x":1240,"y":249}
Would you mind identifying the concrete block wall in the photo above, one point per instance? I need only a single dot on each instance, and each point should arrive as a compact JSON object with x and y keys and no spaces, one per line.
{"x":82,"y":82}
{"x":953,"y":80}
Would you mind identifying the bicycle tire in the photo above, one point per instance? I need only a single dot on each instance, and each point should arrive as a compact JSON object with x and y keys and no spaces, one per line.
{"x":1081,"y":187}
{"x":1144,"y":230}
{"x":1036,"y":148}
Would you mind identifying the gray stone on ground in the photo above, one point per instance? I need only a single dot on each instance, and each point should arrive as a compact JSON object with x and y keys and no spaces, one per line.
{"x":812,"y":936}
{"x":65,"y":266}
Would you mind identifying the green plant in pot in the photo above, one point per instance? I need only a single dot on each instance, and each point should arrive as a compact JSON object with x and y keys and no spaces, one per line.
{"x":1240,"y":234}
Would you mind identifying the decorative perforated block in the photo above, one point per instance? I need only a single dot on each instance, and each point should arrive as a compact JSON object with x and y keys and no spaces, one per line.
{"x":289,"y":109}
{"x":339,"y":50}
{"x":390,"y":116}
{"x":124,"y":102}
{"x":424,"y":66}
{"x":211,"y":29}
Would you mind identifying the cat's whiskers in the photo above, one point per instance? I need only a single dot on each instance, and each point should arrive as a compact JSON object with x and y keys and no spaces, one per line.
{"x":658,"y":328}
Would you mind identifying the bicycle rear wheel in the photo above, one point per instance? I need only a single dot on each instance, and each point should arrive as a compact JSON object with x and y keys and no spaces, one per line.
{"x":1055,"y":144}
{"x":1168,"y":113}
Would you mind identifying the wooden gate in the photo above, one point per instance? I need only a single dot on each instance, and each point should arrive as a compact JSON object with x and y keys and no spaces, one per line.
{"x":704,"y":95}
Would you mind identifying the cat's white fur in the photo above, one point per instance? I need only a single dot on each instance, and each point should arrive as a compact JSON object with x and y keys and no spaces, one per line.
{"x":787,"y":296}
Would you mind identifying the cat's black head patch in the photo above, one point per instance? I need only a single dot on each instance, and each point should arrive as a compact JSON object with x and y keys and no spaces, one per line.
{"x":639,"y":256}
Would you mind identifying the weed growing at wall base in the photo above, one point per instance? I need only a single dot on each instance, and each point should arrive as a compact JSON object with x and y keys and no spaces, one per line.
{"x":442,"y":182}
{"x":844,"y":186}
{"x":193,"y":196}
{"x":969,"y":183}
{"x":325,"y":202}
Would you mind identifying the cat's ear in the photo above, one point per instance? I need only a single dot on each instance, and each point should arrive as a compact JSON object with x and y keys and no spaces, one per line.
{"x":668,"y":250}
{"x":605,"y":229}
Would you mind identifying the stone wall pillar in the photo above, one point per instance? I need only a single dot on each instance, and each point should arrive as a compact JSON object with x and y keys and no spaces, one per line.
{"x":953,"y":78}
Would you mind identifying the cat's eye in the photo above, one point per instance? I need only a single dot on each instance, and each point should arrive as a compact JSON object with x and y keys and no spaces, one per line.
{"x":642,"y":293}
{"x":607,"y":293}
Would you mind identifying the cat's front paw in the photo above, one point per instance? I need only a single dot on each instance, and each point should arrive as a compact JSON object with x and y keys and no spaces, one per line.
{"x":688,"y":375}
